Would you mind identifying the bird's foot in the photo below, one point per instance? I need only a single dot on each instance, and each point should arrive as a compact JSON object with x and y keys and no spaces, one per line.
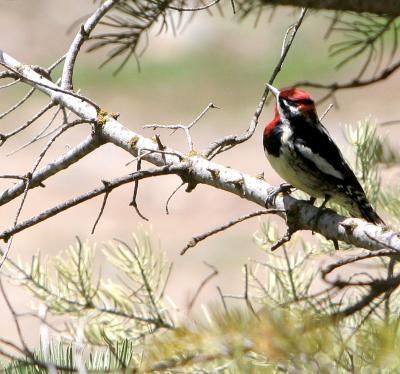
{"x":284,"y":188}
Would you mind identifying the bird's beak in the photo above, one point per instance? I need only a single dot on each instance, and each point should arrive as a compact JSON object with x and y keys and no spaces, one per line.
{"x":274,"y":90}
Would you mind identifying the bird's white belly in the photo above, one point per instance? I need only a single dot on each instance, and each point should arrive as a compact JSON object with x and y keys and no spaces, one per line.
{"x":288,"y":167}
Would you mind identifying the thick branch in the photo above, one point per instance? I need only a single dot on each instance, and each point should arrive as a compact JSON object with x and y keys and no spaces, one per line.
{"x":69,"y":158}
{"x":301,"y":215}
{"x":387,"y":7}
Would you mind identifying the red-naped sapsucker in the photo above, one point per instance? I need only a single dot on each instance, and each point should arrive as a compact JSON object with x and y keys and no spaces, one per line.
{"x":303,"y":153}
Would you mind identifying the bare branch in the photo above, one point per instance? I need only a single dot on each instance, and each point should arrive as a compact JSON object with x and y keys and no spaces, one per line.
{"x":8,"y":74}
{"x":10,"y":84}
{"x":135,"y":190}
{"x":245,"y":296}
{"x":9,"y":176}
{"x":163,"y":170}
{"x":185,"y":128}
{"x":221,"y":295}
{"x":246,"y":291}
{"x":172,"y":195}
{"x":26,"y":350}
{"x":213,"y":274}
{"x":326,"y":112}
{"x":331,"y":225}
{"x":81,"y":36}
{"x":103,"y":205}
{"x":355,"y":83}
{"x":230,"y":141}
{"x":39,"y":135}
{"x":194,"y":9}
{"x":388,"y":7}
{"x":29,"y":177}
{"x":196,"y":239}
{"x":18,"y":104}
{"x":4,"y":137}
{"x":88,"y":145}
{"x":356,"y":258}
{"x":377,"y":288}
{"x":285,"y":238}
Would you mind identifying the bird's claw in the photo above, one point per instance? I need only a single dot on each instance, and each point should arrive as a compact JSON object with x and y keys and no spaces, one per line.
{"x":284,"y":188}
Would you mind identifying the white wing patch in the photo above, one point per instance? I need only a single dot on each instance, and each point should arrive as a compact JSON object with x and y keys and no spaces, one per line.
{"x":318,"y":161}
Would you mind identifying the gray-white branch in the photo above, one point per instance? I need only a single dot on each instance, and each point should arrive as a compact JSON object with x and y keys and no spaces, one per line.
{"x":300,"y":214}
{"x":81,"y":36}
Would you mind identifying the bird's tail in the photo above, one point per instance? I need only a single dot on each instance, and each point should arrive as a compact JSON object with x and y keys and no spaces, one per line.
{"x":363,"y":208}
{"x":370,"y":215}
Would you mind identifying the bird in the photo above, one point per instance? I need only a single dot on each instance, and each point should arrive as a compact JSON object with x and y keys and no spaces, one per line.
{"x":303,"y":153}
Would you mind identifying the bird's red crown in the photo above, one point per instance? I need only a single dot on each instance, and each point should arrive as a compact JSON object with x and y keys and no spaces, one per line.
{"x":295,"y":94}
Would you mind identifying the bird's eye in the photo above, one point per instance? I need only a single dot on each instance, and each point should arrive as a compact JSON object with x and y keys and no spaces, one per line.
{"x":307,"y":101}
{"x":299,"y":102}
{"x":291,"y":102}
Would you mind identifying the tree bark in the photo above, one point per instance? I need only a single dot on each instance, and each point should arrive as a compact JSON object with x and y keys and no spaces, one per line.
{"x":381,"y":7}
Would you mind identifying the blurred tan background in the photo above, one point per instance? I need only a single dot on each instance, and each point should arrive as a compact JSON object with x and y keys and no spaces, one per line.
{"x":215,"y":59}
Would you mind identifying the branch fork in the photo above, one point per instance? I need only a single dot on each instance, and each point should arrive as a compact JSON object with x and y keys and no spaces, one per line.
{"x":185,"y":128}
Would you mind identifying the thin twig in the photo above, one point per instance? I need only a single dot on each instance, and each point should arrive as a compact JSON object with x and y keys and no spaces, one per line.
{"x":355,"y":83}
{"x":389,"y":123}
{"x":169,"y":272}
{"x":246,"y":291}
{"x":196,"y":239}
{"x":290,"y":275}
{"x":103,"y":205}
{"x":172,"y":194}
{"x":16,"y":322}
{"x":4,"y":137}
{"x":285,"y":238}
{"x":10,"y":84}
{"x":185,"y":128}
{"x":135,"y":189}
{"x":213,"y":274}
{"x":377,"y":288}
{"x":222,"y":299}
{"x":55,"y":64}
{"x":39,"y":135}
{"x":161,"y":147}
{"x":360,"y":257}
{"x":52,"y":87}
{"x":194,"y":9}
{"x":9,"y":176}
{"x":29,"y":178}
{"x":161,"y":153}
{"x":19,"y":103}
{"x":326,"y":112}
{"x":231,"y":141}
